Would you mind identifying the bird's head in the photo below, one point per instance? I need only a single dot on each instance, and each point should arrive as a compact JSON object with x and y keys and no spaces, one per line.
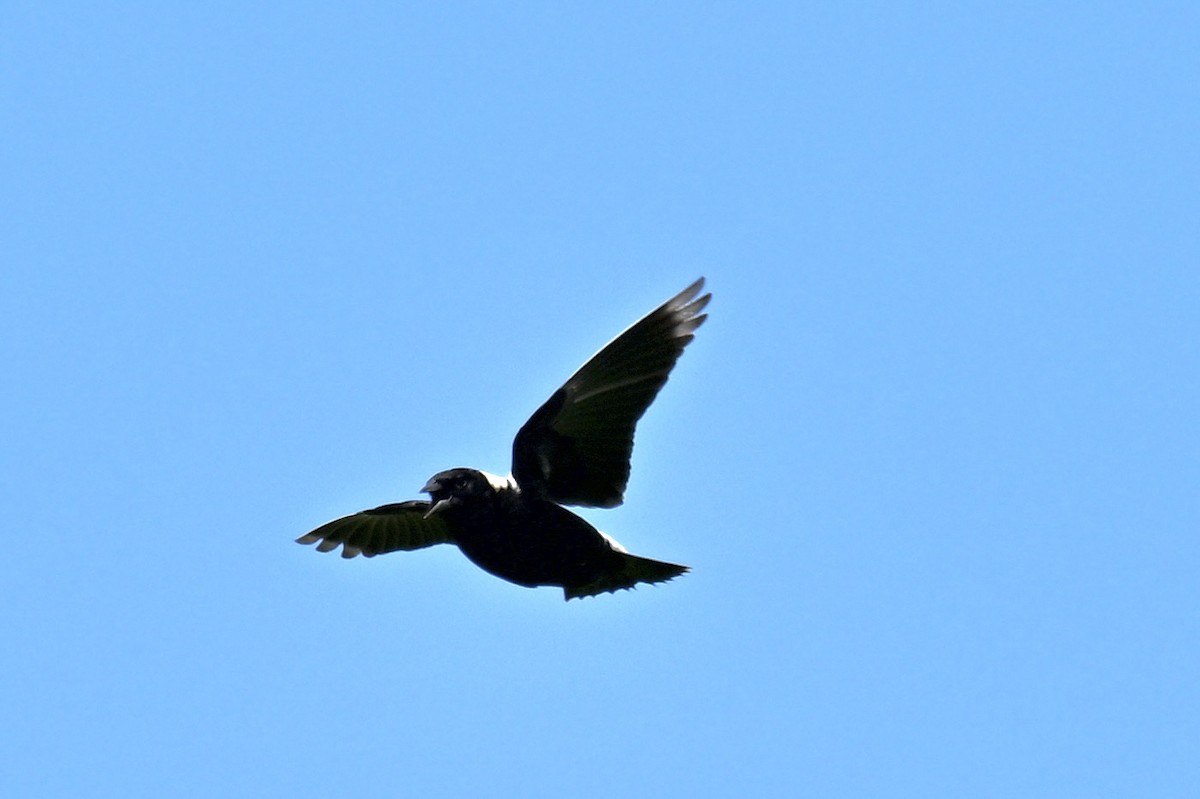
{"x":453,"y":487}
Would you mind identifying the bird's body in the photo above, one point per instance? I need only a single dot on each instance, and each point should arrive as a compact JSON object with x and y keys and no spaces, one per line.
{"x":573,"y":451}
{"x":533,"y":542}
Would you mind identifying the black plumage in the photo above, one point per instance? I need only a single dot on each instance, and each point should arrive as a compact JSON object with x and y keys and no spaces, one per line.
{"x":574,"y":450}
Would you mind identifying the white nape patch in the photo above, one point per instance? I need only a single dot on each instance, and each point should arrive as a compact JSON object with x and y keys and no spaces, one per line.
{"x":612,"y":542}
{"x":497,"y":482}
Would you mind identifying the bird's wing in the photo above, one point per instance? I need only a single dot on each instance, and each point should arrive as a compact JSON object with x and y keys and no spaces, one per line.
{"x":387,"y":528}
{"x":575,"y":449}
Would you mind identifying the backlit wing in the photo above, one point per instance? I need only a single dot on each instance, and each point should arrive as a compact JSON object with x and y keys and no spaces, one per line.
{"x":575,"y":449}
{"x":388,"y":528}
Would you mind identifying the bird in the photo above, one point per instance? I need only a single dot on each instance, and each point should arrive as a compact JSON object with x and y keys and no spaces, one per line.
{"x":575,"y":450}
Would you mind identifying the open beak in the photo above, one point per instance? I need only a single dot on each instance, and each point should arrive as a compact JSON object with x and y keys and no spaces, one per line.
{"x":437,"y":507}
{"x":430,"y":487}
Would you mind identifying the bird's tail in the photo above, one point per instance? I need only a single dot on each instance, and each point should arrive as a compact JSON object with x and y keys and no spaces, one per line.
{"x":631,"y":571}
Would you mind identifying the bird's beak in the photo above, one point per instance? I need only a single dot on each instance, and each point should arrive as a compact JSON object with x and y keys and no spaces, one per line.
{"x":430,"y":487}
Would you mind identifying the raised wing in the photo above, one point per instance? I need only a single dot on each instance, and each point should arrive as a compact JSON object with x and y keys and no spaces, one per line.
{"x":387,"y":528}
{"x":575,"y":449}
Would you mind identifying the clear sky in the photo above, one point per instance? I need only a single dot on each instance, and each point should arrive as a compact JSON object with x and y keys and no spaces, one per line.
{"x":934,"y":458}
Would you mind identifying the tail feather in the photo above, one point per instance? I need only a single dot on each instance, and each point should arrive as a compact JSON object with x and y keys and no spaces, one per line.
{"x":629,"y":572}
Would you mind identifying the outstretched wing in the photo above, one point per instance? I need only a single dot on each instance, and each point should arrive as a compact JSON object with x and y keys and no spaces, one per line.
{"x":387,"y":528}
{"x":575,"y":449}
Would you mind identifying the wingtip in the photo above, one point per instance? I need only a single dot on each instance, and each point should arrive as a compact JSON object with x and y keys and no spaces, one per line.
{"x":688,"y":304}
{"x":686,"y":296}
{"x":685,"y":309}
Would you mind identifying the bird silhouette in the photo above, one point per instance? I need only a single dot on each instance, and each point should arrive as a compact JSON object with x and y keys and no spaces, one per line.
{"x":574,"y":450}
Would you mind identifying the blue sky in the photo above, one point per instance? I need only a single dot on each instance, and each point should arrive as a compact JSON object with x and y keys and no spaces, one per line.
{"x":933,"y":458}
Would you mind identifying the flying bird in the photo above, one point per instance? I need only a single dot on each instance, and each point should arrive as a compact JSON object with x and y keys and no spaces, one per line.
{"x":574,"y":450}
